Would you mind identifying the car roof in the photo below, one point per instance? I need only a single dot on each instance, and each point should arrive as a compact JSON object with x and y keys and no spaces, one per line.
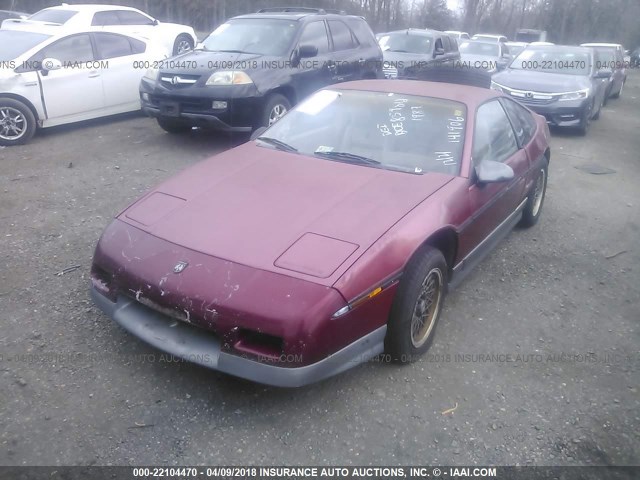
{"x":471,"y":96}
{"x":611,"y":45}
{"x":561,"y":48}
{"x":417,"y":31}
{"x":86,"y":8}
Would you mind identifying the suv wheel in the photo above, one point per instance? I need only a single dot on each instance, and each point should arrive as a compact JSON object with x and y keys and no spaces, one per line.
{"x":17,"y":122}
{"x":276,"y":107}
{"x":183,"y":44}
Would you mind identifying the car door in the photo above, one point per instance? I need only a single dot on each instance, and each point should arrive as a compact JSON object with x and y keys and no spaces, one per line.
{"x":315,"y":72}
{"x":491,"y":204}
{"x":344,"y":51}
{"x":122,"y":77}
{"x":76,"y":88}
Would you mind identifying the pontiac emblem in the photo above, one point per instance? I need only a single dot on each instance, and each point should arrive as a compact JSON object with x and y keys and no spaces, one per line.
{"x":180,"y":266}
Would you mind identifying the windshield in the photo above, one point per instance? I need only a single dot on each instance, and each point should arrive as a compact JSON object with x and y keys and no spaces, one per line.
{"x":403,"y":42}
{"x":480,"y":48}
{"x":260,"y":36}
{"x":528,"y":37}
{"x":515,"y":50}
{"x":382,"y":130}
{"x":553,"y":61}
{"x":487,"y":38}
{"x":15,"y":43}
{"x":53,"y":15}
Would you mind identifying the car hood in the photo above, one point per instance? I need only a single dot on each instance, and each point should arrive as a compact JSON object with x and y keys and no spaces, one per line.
{"x":281,"y":212}
{"x":545,"y":82}
{"x":201,"y":62}
{"x":468,"y":57}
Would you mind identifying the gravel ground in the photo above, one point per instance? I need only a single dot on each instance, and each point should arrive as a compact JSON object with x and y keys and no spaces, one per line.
{"x":538,"y":350}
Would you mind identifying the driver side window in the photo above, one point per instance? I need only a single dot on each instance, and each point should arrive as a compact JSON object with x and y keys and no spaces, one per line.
{"x":493,"y":138}
{"x":315,"y":34}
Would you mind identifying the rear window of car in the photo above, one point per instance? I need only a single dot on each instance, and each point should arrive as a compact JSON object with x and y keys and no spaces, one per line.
{"x":53,"y":15}
{"x":15,"y":43}
{"x":363,"y":32}
{"x":401,"y":42}
{"x":480,"y":48}
{"x":406,"y":133}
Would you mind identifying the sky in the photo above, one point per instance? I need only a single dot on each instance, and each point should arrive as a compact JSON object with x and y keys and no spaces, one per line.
{"x":453,"y":4}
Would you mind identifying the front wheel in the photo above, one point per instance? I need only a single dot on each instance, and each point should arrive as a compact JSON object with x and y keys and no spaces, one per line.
{"x":417,"y":305}
{"x":183,"y":44}
{"x":619,"y":92}
{"x":17,"y":122}
{"x":275,"y":108}
{"x":533,"y":207}
{"x":585,"y":120}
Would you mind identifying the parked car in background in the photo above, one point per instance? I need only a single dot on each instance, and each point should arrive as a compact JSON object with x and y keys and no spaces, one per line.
{"x":560,"y":82}
{"x":489,"y":56}
{"x":458,"y":35}
{"x":489,"y":37}
{"x":65,"y":18}
{"x":515,"y":48}
{"x":253,"y":68}
{"x":48,"y":80}
{"x":331,"y":237}
{"x":527,"y":35}
{"x":406,"y":52}
{"x":7,"y":14}
{"x":634,"y":58}
{"x":611,"y":56}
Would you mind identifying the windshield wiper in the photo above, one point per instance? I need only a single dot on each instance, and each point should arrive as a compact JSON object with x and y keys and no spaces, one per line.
{"x":229,"y":51}
{"x":349,"y":157}
{"x":278,"y":144}
{"x":400,"y":51}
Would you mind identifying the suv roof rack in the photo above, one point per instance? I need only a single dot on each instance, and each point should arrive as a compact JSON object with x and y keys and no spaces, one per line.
{"x":320,"y":11}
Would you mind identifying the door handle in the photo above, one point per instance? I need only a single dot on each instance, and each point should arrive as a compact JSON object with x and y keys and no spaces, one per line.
{"x":94,"y":74}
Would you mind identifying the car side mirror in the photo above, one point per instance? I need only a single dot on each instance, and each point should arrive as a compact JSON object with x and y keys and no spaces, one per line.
{"x":307,"y":51}
{"x":603,"y":73}
{"x":258,"y":132}
{"x":438,"y":52}
{"x":155,"y":23}
{"x":49,"y":65}
{"x":490,"y":171}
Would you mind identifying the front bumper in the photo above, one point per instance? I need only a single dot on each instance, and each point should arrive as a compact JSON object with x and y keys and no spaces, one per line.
{"x":193,"y":105}
{"x":561,"y":114}
{"x":204,"y":348}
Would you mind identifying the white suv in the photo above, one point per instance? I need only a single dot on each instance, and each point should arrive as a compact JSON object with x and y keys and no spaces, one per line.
{"x":176,"y":39}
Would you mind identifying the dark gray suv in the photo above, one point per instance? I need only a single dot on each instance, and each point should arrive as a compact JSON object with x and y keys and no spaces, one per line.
{"x":560,"y":82}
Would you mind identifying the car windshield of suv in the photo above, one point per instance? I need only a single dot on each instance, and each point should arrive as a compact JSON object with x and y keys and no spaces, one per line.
{"x":15,"y":43}
{"x":57,"y":16}
{"x":553,"y":61}
{"x":271,"y":37}
{"x":480,"y":48}
{"x":405,"y":43}
{"x":405,"y":133}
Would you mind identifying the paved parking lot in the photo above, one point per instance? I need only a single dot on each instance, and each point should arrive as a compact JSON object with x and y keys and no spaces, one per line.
{"x":537,"y":354}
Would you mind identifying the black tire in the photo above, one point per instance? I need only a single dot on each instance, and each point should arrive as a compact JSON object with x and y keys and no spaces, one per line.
{"x":273,"y":102}
{"x":405,"y":339}
{"x":535,"y":200}
{"x":180,"y":45}
{"x":171,"y":125}
{"x":585,"y":121}
{"x":619,"y":92}
{"x":17,"y":123}
{"x":597,"y":114}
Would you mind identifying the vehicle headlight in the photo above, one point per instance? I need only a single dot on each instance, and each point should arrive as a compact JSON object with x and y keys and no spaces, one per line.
{"x":229,"y":77}
{"x":495,"y":86}
{"x":579,"y":95}
{"x":152,"y":74}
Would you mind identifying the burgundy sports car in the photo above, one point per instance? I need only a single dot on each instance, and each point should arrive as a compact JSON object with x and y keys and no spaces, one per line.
{"x":329,"y":238}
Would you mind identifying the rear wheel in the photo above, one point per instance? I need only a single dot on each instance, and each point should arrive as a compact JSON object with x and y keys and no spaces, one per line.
{"x":17,"y":122}
{"x":183,"y":44}
{"x":417,"y":305}
{"x":173,"y":126}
